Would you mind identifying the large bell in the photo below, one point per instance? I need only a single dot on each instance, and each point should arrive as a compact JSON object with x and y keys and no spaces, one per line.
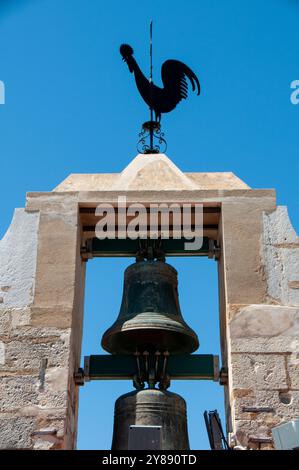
{"x":150,"y":407}
{"x":150,"y":318}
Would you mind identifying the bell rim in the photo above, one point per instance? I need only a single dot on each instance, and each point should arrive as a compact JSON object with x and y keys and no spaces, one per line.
{"x":110,"y":341}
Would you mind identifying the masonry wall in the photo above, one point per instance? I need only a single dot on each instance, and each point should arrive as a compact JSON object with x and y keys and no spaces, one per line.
{"x":262,"y":323}
{"x":41,"y":298}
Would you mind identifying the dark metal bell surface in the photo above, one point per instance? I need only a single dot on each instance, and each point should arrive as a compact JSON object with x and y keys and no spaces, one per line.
{"x":150,"y":318}
{"x":151,"y":407}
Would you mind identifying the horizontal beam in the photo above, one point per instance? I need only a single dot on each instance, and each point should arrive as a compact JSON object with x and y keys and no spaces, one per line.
{"x":126,"y":247}
{"x":122,"y":367}
{"x":206,"y":210}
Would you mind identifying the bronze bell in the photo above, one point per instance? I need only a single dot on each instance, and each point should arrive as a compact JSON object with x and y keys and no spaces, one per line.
{"x":150,"y":318}
{"x":151,"y":407}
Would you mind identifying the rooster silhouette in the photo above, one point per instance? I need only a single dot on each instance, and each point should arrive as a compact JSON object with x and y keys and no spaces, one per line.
{"x":173,"y":73}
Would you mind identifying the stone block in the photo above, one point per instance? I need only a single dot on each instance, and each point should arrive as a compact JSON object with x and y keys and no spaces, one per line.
{"x":17,"y":392}
{"x":256,"y":321}
{"x":20,"y":317}
{"x":15,"y":432}
{"x":35,"y":334}
{"x":55,"y":286}
{"x":265,"y":328}
{"x":242,"y":235}
{"x":5,"y":322}
{"x":28,"y":354}
{"x":258,"y":371}
{"x":59,"y":316}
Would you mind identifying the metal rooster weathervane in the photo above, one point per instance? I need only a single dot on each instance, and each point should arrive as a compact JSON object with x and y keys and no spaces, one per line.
{"x":160,"y":100}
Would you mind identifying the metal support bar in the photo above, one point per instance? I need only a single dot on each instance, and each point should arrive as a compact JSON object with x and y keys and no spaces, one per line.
{"x":121,"y":367}
{"x":128,"y":248}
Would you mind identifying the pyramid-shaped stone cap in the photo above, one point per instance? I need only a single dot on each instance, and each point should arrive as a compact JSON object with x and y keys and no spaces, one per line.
{"x":150,"y":172}
{"x":153,"y":172}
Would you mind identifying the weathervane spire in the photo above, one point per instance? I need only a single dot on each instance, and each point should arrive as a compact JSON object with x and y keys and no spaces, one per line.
{"x":151,"y":128}
{"x":151,"y":51}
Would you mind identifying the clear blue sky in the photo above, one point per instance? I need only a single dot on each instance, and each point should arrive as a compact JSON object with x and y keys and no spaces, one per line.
{"x":72,"y":107}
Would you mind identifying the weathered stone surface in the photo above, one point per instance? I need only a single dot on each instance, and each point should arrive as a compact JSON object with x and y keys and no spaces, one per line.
{"x":48,"y":435}
{"x":293,"y":370}
{"x":20,"y":317}
{"x":53,"y":393}
{"x":17,"y":392}
{"x":18,"y":250}
{"x":45,"y":443}
{"x":281,"y":257}
{"x":282,"y":267}
{"x":258,"y":371}
{"x":2,"y":353}
{"x":27,"y":355}
{"x":30,"y":392}
{"x":5,"y":322}
{"x":264,"y":344}
{"x":44,"y":414}
{"x":283,"y":405}
{"x":265,"y":328}
{"x":225,"y":180}
{"x":15,"y":432}
{"x":39,"y":333}
{"x":257,"y":321}
{"x":247,"y":431}
{"x":278,"y":228}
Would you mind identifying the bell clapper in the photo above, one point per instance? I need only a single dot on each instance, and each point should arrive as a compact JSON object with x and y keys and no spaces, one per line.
{"x":138,"y":383}
{"x":149,"y":250}
{"x":151,"y":369}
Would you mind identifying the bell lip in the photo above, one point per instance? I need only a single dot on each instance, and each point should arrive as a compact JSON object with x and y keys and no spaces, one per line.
{"x":129,"y":326}
{"x":119,"y":348}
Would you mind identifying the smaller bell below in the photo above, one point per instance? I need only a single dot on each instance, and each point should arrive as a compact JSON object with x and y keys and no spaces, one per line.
{"x":151,"y":407}
{"x":150,"y":318}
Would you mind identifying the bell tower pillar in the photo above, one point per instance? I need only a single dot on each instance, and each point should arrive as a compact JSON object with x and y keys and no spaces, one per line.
{"x":42,"y":287}
{"x":259,"y":309}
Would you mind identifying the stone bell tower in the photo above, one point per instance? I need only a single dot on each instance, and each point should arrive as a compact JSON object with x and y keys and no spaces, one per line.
{"x":42,"y":274}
